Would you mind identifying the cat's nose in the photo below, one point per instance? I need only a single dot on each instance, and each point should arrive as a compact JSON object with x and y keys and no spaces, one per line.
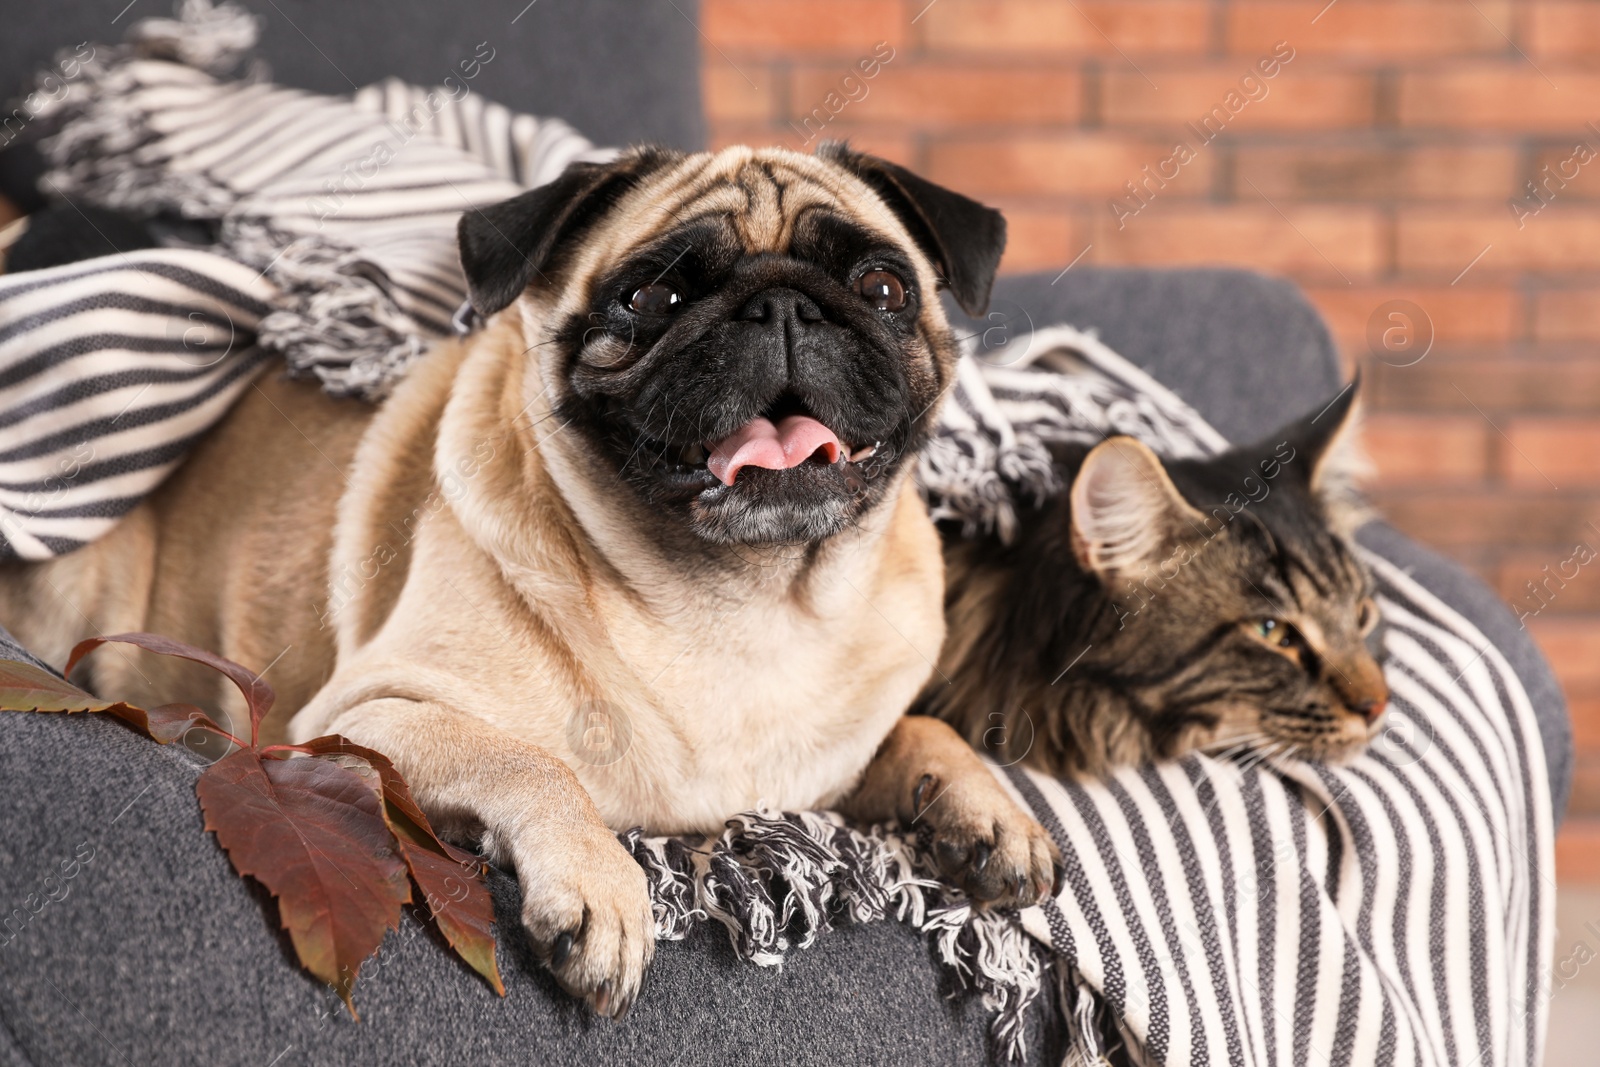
{"x":1358,"y":681}
{"x":1370,"y":709}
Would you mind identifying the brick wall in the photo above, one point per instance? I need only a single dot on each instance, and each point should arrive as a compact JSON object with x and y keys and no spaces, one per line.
{"x":1369,"y":149}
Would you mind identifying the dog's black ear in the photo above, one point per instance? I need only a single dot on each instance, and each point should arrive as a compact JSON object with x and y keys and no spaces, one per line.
{"x":505,"y":245}
{"x":962,"y":236}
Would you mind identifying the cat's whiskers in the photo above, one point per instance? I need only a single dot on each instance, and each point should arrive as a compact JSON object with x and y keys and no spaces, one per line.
{"x":1254,"y":756}
{"x":1233,"y":744}
{"x":1283,"y":752}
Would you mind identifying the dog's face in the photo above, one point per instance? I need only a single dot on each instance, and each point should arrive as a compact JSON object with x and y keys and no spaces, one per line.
{"x":751,"y":340}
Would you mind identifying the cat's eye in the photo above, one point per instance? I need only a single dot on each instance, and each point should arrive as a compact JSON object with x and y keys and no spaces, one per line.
{"x":883,"y":289}
{"x":1367,"y":616}
{"x":657,"y":298}
{"x":1274,"y":632}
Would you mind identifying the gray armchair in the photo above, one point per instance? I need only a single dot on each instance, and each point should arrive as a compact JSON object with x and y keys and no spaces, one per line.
{"x":158,"y":953}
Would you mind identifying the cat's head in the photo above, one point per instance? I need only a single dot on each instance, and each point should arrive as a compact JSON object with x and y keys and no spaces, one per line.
{"x":1248,"y":619}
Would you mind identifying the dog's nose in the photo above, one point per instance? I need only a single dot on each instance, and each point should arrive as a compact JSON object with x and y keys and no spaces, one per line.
{"x":779,"y":307}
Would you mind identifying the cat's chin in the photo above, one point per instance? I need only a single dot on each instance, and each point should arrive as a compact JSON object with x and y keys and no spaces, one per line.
{"x":1349,"y":744}
{"x":1343,"y":755}
{"x":1245,"y":739}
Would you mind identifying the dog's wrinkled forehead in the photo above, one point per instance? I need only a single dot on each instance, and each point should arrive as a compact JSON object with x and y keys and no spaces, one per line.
{"x":594,"y":215}
{"x":760,"y":197}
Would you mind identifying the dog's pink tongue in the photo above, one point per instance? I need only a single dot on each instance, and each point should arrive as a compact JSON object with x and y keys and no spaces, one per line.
{"x":758,"y":443}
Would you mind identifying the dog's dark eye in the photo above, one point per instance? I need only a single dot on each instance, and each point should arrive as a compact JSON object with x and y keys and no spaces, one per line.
{"x":883,"y":290}
{"x":657,"y":298}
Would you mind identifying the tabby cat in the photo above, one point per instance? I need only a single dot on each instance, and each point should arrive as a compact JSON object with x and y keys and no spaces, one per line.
{"x":1161,"y":606}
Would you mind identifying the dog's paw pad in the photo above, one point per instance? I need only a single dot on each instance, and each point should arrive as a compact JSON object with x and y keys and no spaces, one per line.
{"x":992,"y":849}
{"x":591,"y":922}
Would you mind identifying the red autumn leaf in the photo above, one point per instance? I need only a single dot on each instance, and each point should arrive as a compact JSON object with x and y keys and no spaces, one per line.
{"x":332,"y":833}
{"x":460,"y":906}
{"x":258,"y":695}
{"x":314,"y":834}
{"x":166,"y":722}
{"x":24,"y":687}
{"x":450,"y":879}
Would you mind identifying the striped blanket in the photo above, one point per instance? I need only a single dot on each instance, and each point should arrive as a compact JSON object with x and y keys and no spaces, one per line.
{"x":1394,"y":911}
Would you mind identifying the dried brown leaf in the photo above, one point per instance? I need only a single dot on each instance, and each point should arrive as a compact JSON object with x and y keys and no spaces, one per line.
{"x":314,"y":834}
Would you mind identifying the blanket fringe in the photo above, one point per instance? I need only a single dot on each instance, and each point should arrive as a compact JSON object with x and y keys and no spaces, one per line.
{"x":203,"y":36}
{"x":337,"y":321}
{"x":336,"y":318}
{"x":777,"y":880}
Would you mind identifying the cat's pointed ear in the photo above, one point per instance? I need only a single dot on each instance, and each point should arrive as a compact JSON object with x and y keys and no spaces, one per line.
{"x":1126,"y":513}
{"x":1321,"y":436}
{"x":1328,"y":457}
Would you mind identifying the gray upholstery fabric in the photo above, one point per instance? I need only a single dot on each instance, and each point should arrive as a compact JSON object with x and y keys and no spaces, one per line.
{"x":156,"y":952}
{"x":1246,"y":351}
{"x":619,"y":70}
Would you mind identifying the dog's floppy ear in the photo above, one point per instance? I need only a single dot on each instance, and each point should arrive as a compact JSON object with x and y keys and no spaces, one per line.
{"x":962,"y":236}
{"x":505,"y":245}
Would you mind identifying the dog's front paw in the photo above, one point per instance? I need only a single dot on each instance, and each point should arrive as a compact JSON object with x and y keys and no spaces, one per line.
{"x":984,"y":842}
{"x":586,"y":905}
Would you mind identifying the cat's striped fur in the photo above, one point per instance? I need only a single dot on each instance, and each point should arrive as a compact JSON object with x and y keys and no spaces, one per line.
{"x":1161,"y":606}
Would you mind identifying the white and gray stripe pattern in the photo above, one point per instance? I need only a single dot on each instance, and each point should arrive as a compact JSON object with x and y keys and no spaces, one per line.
{"x":335,"y":252}
{"x":1394,"y":911}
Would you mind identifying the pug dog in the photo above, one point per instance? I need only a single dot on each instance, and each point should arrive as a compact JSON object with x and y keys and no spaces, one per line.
{"x":665,"y":491}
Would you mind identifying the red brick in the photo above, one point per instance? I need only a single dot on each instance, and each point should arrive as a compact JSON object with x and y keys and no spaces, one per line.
{"x":1562,"y":28}
{"x":1573,"y":648}
{"x":1560,"y":171}
{"x":747,"y":93}
{"x":1381,"y":172}
{"x":1567,"y":315}
{"x":1584,"y":800}
{"x":1585,"y":715}
{"x":1461,"y":519}
{"x":1500,"y":95}
{"x":893,"y":143}
{"x":1578,"y":851}
{"x":1565,"y":451}
{"x":1317,"y":242}
{"x":845,"y":27}
{"x":1039,"y":240}
{"x":1364,"y":29}
{"x":1445,"y":382}
{"x":1454,"y":314}
{"x":935,"y":94}
{"x":1083,"y":164}
{"x":1426,"y":449}
{"x":1561,"y":584}
{"x":1565,"y":238}
{"x":1052,"y":27}
{"x":1298,"y":98}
